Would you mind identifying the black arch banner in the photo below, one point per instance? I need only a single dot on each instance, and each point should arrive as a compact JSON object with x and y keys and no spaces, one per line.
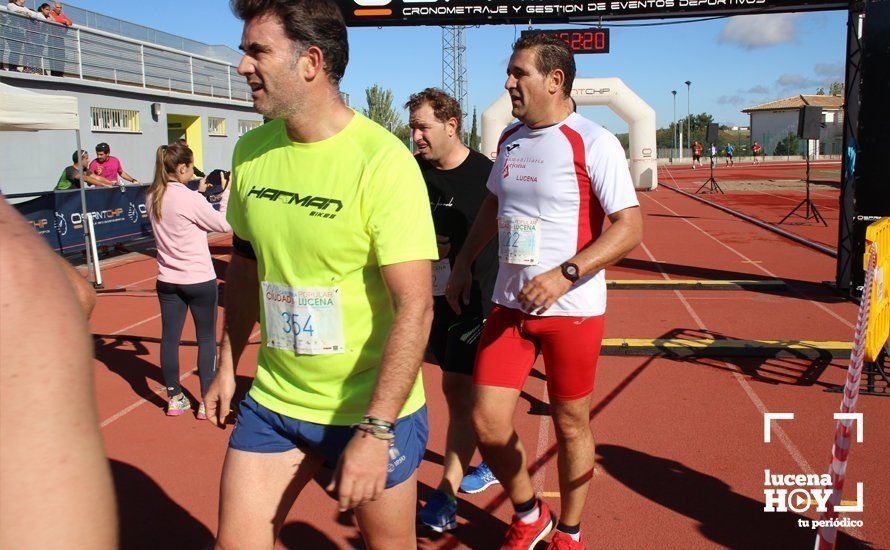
{"x":382,"y":13}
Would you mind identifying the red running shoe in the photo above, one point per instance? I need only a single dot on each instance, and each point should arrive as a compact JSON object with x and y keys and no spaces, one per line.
{"x":524,"y":536}
{"x":563,"y":541}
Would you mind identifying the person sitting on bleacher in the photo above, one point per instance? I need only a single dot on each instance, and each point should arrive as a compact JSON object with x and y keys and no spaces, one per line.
{"x":70,"y":178}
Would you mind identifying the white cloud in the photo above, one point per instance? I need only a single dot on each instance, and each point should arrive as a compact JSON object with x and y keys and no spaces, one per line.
{"x":730,"y":100}
{"x":798,"y":82}
{"x":830,"y":70}
{"x":759,"y":31}
{"x":757,"y":90}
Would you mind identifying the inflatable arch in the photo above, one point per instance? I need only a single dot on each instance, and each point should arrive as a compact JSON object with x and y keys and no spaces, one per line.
{"x":611,"y":92}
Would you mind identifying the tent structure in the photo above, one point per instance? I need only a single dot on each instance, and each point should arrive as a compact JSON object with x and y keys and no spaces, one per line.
{"x":22,"y":110}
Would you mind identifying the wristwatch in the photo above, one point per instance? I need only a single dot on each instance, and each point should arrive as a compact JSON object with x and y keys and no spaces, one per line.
{"x":570,"y":271}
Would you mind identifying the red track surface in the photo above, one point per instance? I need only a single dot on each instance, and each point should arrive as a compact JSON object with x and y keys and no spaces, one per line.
{"x":681,"y":457}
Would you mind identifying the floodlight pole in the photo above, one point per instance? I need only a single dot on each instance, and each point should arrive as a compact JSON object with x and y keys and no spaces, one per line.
{"x":688,"y":111}
{"x":674,"y":93}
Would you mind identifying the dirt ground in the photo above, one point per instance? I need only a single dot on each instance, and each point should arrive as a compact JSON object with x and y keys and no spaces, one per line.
{"x":774,"y":185}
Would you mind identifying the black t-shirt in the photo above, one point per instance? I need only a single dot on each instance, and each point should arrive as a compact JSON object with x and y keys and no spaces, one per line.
{"x":455,"y":198}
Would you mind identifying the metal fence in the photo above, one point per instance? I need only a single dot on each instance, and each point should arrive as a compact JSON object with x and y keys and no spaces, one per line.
{"x":119,"y":27}
{"x":39,"y":46}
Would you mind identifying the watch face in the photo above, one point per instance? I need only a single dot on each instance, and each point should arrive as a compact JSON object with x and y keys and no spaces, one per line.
{"x":571,"y":271}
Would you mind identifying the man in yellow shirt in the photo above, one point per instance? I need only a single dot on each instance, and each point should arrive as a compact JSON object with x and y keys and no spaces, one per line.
{"x":333,"y":242}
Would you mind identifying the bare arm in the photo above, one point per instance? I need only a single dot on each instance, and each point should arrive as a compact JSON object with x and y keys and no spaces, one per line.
{"x":128,"y":177}
{"x":52,"y":463}
{"x":410,"y":287}
{"x":485,"y":227}
{"x":241,"y":314}
{"x":86,"y":296}
{"x":361,"y":471}
{"x":622,"y":236}
{"x":93,"y":179}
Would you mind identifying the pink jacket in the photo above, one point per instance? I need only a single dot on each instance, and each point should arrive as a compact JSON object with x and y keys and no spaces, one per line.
{"x":181,"y":235}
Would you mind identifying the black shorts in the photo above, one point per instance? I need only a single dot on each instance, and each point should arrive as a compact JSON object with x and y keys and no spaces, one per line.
{"x":696,"y":157}
{"x":454,"y":338}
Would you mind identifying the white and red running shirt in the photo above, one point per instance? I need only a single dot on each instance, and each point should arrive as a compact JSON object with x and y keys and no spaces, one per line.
{"x":555,"y":186}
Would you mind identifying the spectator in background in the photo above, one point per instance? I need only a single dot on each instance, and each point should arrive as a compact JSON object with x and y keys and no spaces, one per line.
{"x":44,"y":40}
{"x":16,"y":40}
{"x":181,"y":220}
{"x":18,"y":6}
{"x":713,"y":155}
{"x":55,"y":41}
{"x":60,"y":17}
{"x":109,"y":167}
{"x":70,"y":178}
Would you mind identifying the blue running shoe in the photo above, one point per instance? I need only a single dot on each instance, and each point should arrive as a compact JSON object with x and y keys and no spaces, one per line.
{"x":440,"y":512}
{"x":478,"y":480}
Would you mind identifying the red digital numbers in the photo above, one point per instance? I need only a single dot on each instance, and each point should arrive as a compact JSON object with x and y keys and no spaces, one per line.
{"x":585,"y":41}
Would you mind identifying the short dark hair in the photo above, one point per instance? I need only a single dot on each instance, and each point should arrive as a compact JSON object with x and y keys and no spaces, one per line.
{"x":75,"y":158}
{"x":309,"y":23}
{"x":444,"y":106}
{"x":43,"y":5}
{"x":103,"y":148}
{"x":552,"y":53}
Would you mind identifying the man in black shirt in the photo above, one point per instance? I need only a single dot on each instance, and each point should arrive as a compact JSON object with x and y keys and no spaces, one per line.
{"x":455,"y":177}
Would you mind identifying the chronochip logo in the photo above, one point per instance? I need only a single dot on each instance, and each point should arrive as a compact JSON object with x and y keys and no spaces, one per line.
{"x":136,"y":211}
{"x":61,"y":224}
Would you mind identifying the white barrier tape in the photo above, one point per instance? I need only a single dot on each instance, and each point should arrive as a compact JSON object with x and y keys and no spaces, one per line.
{"x":826,"y":536}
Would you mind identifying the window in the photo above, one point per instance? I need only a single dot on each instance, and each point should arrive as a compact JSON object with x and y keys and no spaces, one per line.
{"x":216,"y":126}
{"x":245,"y":126}
{"x":114,"y":120}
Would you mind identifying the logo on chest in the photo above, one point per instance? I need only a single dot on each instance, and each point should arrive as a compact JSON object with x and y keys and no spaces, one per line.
{"x":321,"y":207}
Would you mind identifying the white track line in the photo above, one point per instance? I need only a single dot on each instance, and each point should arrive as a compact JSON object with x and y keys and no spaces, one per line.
{"x":749,"y":391}
{"x":747,"y":259}
{"x":789,"y":445}
{"x":128,"y":327}
{"x":133,"y":406}
{"x":153,"y":277}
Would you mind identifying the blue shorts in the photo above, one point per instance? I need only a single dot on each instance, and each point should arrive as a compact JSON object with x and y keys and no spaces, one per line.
{"x":260,"y":430}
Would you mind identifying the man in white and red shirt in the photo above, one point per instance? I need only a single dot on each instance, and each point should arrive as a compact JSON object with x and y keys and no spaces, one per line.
{"x":556,"y":178}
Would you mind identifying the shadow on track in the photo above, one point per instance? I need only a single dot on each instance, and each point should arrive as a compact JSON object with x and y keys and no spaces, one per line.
{"x":149,"y":518}
{"x":726,"y":518}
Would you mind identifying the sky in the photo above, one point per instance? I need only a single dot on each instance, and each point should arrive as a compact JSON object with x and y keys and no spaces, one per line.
{"x":733,"y":63}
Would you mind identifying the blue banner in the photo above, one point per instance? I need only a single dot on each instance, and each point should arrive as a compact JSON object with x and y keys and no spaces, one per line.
{"x":118,"y":217}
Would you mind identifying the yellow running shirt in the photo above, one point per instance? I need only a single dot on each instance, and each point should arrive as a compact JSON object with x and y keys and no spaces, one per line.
{"x":322,"y":219}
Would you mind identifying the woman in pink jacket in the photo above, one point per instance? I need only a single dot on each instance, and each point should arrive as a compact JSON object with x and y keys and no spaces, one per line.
{"x":181,"y":219}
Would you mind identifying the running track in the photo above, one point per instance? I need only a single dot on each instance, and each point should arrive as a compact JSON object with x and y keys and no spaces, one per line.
{"x":680,"y":452}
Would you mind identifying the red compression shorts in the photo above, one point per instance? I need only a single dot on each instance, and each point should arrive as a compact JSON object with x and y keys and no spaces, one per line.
{"x":512,"y":340}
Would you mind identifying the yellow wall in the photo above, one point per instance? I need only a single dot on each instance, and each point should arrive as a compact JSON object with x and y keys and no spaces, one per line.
{"x":191,"y":126}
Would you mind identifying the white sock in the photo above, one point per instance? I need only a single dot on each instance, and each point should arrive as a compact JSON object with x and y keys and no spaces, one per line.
{"x":531,"y":516}
{"x":576,"y":537}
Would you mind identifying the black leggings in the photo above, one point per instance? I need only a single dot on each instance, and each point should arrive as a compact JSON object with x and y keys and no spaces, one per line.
{"x":201,"y":299}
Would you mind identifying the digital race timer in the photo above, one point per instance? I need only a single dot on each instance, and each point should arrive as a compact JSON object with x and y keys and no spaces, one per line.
{"x":579,"y":40}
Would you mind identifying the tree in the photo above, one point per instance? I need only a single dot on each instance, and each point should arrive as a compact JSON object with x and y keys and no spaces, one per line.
{"x":473,"y":139}
{"x":820,"y":91}
{"x":836,"y":88}
{"x":380,"y":108}
{"x":788,"y":145}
